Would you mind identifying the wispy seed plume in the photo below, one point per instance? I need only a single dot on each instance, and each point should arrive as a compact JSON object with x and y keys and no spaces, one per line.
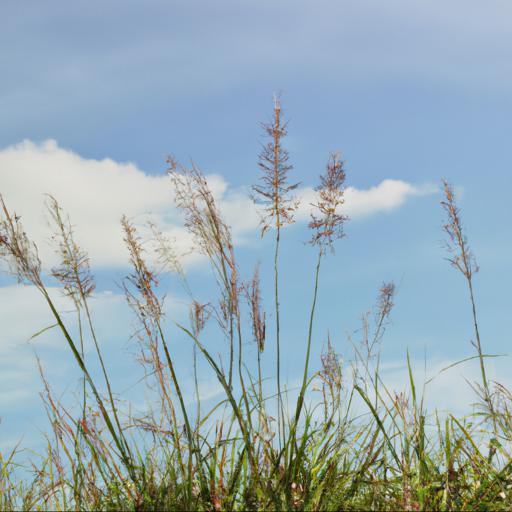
{"x":16,"y":249}
{"x":327,"y":222}
{"x":461,"y":256}
{"x":73,"y":271}
{"x":274,"y":191}
{"x":141,"y":278}
{"x":257,"y":316}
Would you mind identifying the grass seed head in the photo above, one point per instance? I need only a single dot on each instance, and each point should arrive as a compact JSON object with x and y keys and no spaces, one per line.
{"x":16,"y":249}
{"x":327,"y":222}
{"x":198,"y":317}
{"x":257,"y":316}
{"x":73,"y":271}
{"x":385,"y":300}
{"x":460,"y":254}
{"x":143,"y":280}
{"x":274,"y":192}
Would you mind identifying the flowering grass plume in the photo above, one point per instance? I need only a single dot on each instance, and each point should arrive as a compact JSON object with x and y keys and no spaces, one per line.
{"x":73,"y":270}
{"x":274,"y":192}
{"x":212,"y":237}
{"x":18,"y":252}
{"x":257,"y":316}
{"x":461,"y":256}
{"x":327,"y":222}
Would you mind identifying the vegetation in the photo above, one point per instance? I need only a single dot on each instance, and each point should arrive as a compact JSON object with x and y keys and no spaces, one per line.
{"x":360,"y":446}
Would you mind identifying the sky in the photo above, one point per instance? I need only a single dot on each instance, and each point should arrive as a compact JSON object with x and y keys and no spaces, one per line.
{"x":95,"y":95}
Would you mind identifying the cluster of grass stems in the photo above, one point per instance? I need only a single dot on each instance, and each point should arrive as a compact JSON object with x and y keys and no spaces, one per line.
{"x":344,"y":441}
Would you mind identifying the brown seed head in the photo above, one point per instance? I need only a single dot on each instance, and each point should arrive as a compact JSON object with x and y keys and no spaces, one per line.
{"x":274,"y":191}
{"x":198,"y":317}
{"x":457,"y":245}
{"x":16,"y":249}
{"x":257,"y":316}
{"x":73,"y":271}
{"x":385,"y":301}
{"x":327,"y":222}
{"x":143,"y":280}
{"x":331,"y":371}
{"x":203,"y":220}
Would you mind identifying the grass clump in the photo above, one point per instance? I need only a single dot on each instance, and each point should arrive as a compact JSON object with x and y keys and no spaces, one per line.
{"x":346,"y":442}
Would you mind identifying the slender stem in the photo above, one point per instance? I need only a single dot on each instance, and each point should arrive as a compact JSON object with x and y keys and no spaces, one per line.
{"x":236,"y":410}
{"x":103,"y":368}
{"x":280,"y":412}
{"x":300,"y":400}
{"x":84,"y":383}
{"x":240,"y":374}
{"x":194,"y":354}
{"x":479,"y":348}
{"x":260,"y":388}
{"x":190,"y":437}
{"x":231,"y":350}
{"x":223,"y":257}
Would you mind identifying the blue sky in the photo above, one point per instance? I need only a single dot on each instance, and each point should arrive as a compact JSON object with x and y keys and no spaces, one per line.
{"x":408,"y":91}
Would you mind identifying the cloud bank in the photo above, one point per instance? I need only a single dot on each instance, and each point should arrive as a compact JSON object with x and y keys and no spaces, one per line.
{"x":96,"y":193}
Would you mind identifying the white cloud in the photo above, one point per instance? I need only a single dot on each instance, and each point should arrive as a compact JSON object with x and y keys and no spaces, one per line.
{"x":96,"y":193}
{"x":386,"y":196}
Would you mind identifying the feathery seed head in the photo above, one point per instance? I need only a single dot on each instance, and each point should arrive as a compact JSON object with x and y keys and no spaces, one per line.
{"x":331,"y":372}
{"x":274,"y":191}
{"x":257,"y":316}
{"x":385,"y":301}
{"x":212,"y":235}
{"x":144,"y":300}
{"x":198,"y":317}
{"x":16,"y":249}
{"x":73,"y":271}
{"x":327,"y":222}
{"x":457,"y":245}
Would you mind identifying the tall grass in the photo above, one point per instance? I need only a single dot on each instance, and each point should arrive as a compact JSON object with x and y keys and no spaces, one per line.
{"x":350,"y":442}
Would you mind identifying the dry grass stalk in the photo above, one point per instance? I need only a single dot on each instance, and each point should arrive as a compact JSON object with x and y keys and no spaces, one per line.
{"x":212,"y":237}
{"x":327,"y":226}
{"x":275,"y":195}
{"x":462,"y":258}
{"x":139,"y":289}
{"x":141,"y":297}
